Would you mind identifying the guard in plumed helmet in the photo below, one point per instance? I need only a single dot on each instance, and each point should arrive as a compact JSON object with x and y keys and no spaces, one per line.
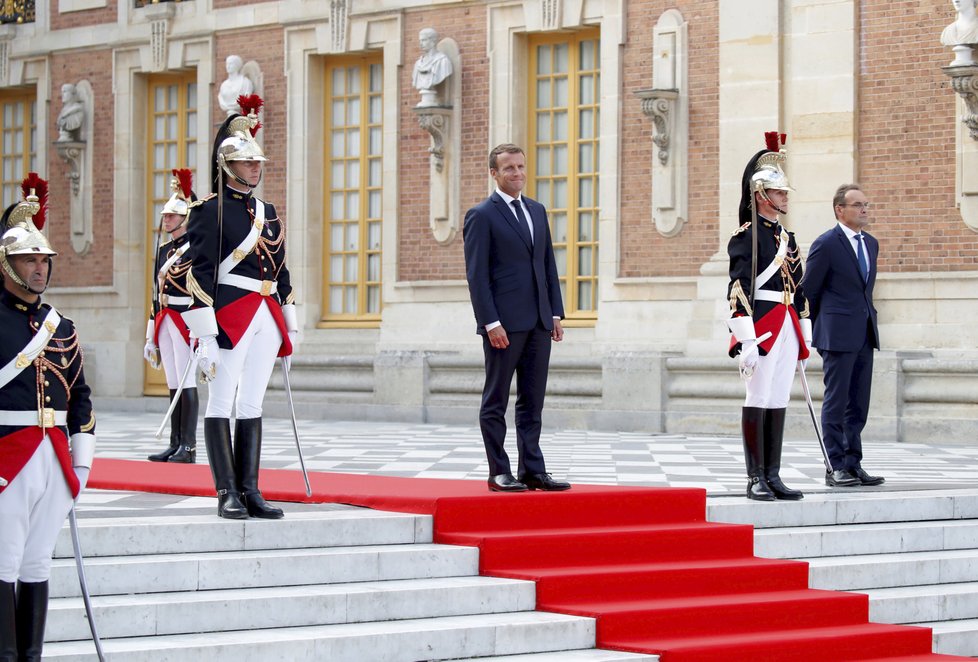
{"x":167,"y":335}
{"x":243,"y":310}
{"x":47,"y":426}
{"x":768,"y":316}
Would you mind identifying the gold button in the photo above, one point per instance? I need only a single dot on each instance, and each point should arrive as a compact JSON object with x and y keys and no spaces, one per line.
{"x":47,"y":398}
{"x":42,"y":353}
{"x":47,"y":383}
{"x":44,"y":368}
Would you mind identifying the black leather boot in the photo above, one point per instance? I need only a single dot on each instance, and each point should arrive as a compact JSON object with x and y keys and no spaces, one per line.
{"x":174,"y":433}
{"x":217,"y":438}
{"x":752,"y":426}
{"x":8,"y":623}
{"x":32,"y":611}
{"x":773,"y":440}
{"x":247,"y":458}
{"x":189,"y":406}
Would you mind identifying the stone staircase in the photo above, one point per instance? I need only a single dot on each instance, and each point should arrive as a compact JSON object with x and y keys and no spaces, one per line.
{"x":332,"y":583}
{"x":914,"y":553}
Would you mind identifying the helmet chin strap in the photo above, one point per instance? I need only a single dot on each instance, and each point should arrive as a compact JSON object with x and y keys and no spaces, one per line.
{"x":768,"y":200}
{"x":234,"y":175}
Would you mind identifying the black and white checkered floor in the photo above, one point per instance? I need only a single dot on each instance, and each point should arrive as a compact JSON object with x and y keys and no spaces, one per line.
{"x":608,"y":458}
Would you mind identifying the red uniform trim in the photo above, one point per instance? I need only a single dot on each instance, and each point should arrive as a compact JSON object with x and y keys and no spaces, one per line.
{"x":235,"y":317}
{"x":17,"y":448}
{"x":773,"y":321}
{"x":177,"y":320}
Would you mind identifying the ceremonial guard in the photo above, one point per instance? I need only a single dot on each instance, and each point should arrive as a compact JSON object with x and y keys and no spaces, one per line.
{"x":167,"y":335}
{"x":769,"y":316}
{"x":47,"y":426}
{"x":243,"y":310}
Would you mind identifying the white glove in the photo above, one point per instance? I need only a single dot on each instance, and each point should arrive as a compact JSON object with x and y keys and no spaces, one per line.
{"x":82,"y":473}
{"x":806,"y":335}
{"x":287,"y":360}
{"x":208,"y":357}
{"x":748,"y":358}
{"x":149,"y":353}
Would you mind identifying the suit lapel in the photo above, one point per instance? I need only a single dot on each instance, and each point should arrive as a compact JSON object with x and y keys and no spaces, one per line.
{"x":510,"y":218}
{"x":847,"y":246}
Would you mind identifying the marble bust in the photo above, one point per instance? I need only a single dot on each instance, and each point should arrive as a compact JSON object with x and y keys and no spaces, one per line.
{"x":963,"y":33}
{"x":235,"y":85}
{"x":431,"y":68}
{"x":72,"y":115}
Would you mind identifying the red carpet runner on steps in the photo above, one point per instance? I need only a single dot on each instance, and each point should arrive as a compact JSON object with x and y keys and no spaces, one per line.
{"x":644,"y":562}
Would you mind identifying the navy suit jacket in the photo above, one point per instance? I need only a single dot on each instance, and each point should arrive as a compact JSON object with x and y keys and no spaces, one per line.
{"x":510,"y":279}
{"x":840,"y":303}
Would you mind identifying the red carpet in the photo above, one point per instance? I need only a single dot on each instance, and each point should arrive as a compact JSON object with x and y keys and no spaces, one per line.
{"x":644,"y":562}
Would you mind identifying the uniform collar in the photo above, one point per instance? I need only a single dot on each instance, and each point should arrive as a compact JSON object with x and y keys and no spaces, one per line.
{"x":768,"y":223}
{"x":237,"y":195}
{"x":16,"y":303}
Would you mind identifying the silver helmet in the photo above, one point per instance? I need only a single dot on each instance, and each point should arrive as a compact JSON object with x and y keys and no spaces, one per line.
{"x":21,"y":225}
{"x":183,"y":193}
{"x":236,"y":138}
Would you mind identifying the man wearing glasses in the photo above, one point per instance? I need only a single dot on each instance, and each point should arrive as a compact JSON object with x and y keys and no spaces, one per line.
{"x":839,"y":278}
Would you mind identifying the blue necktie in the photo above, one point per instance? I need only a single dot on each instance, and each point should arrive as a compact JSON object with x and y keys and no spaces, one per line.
{"x":524,"y":226}
{"x":861,"y":257}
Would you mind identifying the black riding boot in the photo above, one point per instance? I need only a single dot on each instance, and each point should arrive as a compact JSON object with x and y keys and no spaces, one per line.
{"x":8,"y":623}
{"x":32,"y":611}
{"x":174,"y":433}
{"x":773,"y":440}
{"x":189,"y":406}
{"x":247,"y":458}
{"x":752,"y":425}
{"x":217,"y":438}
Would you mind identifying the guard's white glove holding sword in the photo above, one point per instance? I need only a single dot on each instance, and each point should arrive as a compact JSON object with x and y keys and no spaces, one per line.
{"x":208,"y":357}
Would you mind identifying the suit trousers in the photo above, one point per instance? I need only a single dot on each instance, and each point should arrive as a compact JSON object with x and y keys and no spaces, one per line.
{"x":245,"y":370}
{"x":33,"y":509}
{"x":845,"y":406}
{"x":528,"y":355}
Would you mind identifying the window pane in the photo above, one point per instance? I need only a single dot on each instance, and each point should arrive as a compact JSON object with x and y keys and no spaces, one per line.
{"x":543,"y":127}
{"x":543,"y":93}
{"x":584,"y":191}
{"x":543,"y":192}
{"x":561,"y":92}
{"x":351,"y":300}
{"x":336,"y":175}
{"x":336,"y":300}
{"x":336,"y":208}
{"x":375,"y":172}
{"x":376,"y":110}
{"x":373,"y":237}
{"x":561,"y":58}
{"x":584,"y":295}
{"x":353,"y":143}
{"x":375,"y":141}
{"x":560,"y":126}
{"x":561,"y":165}
{"x":352,"y":174}
{"x":543,"y":60}
{"x":373,"y":268}
{"x":339,"y":114}
{"x":353,"y":80}
{"x":353,"y":110}
{"x":585,"y":158}
{"x":560,"y":257}
{"x":373,"y":299}
{"x":336,"y":268}
{"x":373,"y":204}
{"x":543,"y":161}
{"x":376,"y":78}
{"x":560,"y":228}
{"x":353,"y":205}
{"x":584,"y":221}
{"x":350,"y":274}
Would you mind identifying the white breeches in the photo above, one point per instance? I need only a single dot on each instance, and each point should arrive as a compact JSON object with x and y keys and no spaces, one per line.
{"x":770,"y":387}
{"x":245,"y":369}
{"x":174,"y":355}
{"x":32,"y":511}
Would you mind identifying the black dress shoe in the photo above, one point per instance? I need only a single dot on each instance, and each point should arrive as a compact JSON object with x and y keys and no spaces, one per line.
{"x":505,"y":483}
{"x":544,"y":482}
{"x":864,"y":478}
{"x":840,"y":478}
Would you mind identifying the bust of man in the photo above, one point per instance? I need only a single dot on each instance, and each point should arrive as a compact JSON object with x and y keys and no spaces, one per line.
{"x":235,"y":85}
{"x":431,"y":68}
{"x":965,"y":29}
{"x":72,"y":115}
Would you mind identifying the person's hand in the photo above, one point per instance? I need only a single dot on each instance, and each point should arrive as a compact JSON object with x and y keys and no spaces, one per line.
{"x":498,"y":338}
{"x":558,"y":333}
{"x":149,"y":353}
{"x":208,"y":357}
{"x":82,"y":474}
{"x":287,"y":360}
{"x":749,"y":357}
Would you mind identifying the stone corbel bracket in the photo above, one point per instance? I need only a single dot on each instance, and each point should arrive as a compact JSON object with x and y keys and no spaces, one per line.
{"x":964,"y":81}
{"x":444,"y":125}
{"x":77,"y":156}
{"x":667,"y":105}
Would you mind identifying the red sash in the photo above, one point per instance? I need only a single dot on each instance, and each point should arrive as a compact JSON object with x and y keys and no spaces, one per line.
{"x":17,"y":448}
{"x":235,"y":317}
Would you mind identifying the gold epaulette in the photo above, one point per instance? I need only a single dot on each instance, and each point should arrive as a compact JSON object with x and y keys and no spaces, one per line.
{"x":740,"y":229}
{"x":199,"y":201}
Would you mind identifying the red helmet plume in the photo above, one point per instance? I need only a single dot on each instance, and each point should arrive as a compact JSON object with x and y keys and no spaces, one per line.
{"x":33,"y":182}
{"x":185,"y":180}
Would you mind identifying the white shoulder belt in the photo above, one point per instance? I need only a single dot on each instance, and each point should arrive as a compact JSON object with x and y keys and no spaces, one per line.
{"x":31,"y":351}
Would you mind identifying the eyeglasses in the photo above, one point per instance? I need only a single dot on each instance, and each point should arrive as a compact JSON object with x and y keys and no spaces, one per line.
{"x":857,"y":205}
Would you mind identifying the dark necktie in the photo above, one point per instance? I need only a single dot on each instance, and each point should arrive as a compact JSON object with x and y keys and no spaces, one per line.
{"x":861,"y":257}
{"x":524,"y":226}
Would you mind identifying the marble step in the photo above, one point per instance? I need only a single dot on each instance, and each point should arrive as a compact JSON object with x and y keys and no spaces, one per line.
{"x":446,"y":638}
{"x":932,"y":603}
{"x":871,"y":571}
{"x":204,"y":571}
{"x":588,"y":655}
{"x":877,"y":538}
{"x":334,"y":526}
{"x":841,"y":508}
{"x":289,"y":606}
{"x":955,"y":637}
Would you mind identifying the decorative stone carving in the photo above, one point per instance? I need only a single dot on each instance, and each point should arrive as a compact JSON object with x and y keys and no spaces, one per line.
{"x":236,"y":84}
{"x":666,"y":104}
{"x":964,"y":81}
{"x":550,"y":14}
{"x":443,"y":124}
{"x":339,"y":13}
{"x":431,"y":69}
{"x":75,"y":125}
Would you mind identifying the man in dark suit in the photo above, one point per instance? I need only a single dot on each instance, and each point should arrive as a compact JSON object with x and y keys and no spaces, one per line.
{"x":839,"y":280}
{"x":509,"y":265}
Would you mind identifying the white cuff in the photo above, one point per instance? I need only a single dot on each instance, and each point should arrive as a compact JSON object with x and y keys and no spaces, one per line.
{"x":150,"y":329}
{"x":806,"y":329}
{"x":201,"y":321}
{"x":291,"y":318}
{"x":82,"y":449}
{"x":493,"y":325}
{"x":742,"y":328}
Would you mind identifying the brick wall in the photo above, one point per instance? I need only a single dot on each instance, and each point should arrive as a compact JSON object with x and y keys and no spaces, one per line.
{"x":645,"y":252}
{"x":906,"y":138}
{"x":79,"y":19}
{"x":420,"y":257}
{"x":95,"y":267}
